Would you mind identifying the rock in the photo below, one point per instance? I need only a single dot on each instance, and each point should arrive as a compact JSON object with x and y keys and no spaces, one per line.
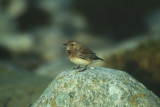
{"x":153,"y":22}
{"x":17,"y":43}
{"x":55,"y":65}
{"x":96,"y":87}
{"x":16,"y":8}
{"x":7,"y":25}
{"x":50,"y":43}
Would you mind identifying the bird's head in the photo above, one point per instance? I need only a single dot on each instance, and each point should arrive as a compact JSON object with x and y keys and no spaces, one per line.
{"x":72,"y":45}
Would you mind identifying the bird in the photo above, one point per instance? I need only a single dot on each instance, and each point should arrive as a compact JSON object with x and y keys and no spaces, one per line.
{"x":80,"y":54}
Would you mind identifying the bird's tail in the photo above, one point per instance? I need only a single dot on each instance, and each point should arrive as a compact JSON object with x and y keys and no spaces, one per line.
{"x":101,"y":59}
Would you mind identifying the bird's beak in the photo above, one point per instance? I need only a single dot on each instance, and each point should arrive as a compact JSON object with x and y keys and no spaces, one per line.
{"x":64,"y":44}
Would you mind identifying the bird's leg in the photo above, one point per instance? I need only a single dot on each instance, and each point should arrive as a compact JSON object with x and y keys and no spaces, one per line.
{"x":83,"y":69}
{"x":77,"y":67}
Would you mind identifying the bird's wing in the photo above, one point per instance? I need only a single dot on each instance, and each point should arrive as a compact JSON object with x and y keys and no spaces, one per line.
{"x":86,"y":53}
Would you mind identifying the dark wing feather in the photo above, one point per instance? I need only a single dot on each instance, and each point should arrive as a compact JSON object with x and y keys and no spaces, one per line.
{"x":86,"y":53}
{"x":83,"y":53}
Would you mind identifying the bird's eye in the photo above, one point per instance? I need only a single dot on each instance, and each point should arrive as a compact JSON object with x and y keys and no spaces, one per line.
{"x":72,"y":44}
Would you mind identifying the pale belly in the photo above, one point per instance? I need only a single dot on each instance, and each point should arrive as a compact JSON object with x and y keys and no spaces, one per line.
{"x":80,"y":61}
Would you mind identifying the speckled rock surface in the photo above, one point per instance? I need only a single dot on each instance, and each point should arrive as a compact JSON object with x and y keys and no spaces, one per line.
{"x":96,"y":87}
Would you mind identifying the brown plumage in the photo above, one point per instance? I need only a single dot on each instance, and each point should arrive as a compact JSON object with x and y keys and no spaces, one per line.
{"x":80,"y":54}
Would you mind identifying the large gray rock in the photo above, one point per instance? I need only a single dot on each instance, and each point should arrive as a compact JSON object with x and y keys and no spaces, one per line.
{"x":96,"y":87}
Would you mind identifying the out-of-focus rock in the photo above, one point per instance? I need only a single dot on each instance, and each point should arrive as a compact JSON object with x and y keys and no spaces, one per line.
{"x":62,"y":16}
{"x":16,"y":8}
{"x":153,"y":22}
{"x":28,"y":60}
{"x":7,"y":25}
{"x":55,"y":5}
{"x":49,"y":44}
{"x":17,"y":43}
{"x":96,"y":87}
{"x":53,"y":68}
{"x":20,"y":89}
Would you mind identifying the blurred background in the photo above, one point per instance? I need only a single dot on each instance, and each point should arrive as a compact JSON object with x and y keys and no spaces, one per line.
{"x":126,"y":33}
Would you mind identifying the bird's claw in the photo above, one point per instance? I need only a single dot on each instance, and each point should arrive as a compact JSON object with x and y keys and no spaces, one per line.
{"x":78,"y":67}
{"x":82,"y":70}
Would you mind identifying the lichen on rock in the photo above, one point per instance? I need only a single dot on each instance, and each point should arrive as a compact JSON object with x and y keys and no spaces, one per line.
{"x":99,"y":87}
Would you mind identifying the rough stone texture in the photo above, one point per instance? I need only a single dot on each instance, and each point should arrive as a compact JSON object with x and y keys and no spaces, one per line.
{"x":96,"y":87}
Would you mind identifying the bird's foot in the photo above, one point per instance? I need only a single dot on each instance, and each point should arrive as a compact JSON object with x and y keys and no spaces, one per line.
{"x":78,"y":67}
{"x":82,"y":70}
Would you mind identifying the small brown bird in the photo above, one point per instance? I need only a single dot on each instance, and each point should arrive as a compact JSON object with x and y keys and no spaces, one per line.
{"x":80,"y":54}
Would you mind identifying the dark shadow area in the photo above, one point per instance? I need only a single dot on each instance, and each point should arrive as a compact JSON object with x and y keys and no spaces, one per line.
{"x":34,"y":17}
{"x":142,"y":76}
{"x":5,"y":54}
{"x":118,"y":18}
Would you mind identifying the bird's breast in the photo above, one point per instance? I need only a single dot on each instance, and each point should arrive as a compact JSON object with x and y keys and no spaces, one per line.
{"x":80,"y":61}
